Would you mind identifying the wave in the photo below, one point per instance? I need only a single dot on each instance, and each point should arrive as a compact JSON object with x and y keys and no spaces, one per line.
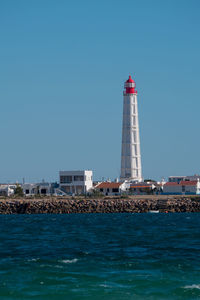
{"x":104,"y":285}
{"x":69,"y":261}
{"x":58,"y":266}
{"x":193,"y":286}
{"x":33,"y":259}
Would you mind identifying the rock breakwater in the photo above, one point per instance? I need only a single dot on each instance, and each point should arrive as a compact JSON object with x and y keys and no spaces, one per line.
{"x":134,"y":204}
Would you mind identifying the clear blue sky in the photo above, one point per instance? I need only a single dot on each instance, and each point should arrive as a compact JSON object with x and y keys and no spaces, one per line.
{"x":62,"y":69}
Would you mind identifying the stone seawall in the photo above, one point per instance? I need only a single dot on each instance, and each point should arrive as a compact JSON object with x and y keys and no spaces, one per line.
{"x":134,"y":204}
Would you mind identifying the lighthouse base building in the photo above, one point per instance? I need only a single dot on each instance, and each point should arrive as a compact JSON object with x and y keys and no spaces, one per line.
{"x":131,"y":169}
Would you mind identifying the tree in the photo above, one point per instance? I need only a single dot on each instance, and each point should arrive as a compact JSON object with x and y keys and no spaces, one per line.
{"x":150,"y":180}
{"x":19,"y":191}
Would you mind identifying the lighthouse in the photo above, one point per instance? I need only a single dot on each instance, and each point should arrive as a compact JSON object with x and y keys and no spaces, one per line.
{"x":131,"y":169}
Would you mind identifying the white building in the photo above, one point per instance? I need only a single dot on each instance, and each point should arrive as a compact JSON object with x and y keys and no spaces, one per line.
{"x":181,"y":178}
{"x":76,"y":182}
{"x":7,"y":189}
{"x":142,"y":188}
{"x":31,"y":189}
{"x":182,"y":188}
{"x":130,"y":156}
{"x":112,"y":188}
{"x":176,"y":178}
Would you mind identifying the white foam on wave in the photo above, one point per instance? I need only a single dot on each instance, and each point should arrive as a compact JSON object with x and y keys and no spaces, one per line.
{"x":58,"y":266}
{"x":69,"y":261}
{"x":104,"y":285}
{"x":33,"y":259}
{"x":193,"y":286}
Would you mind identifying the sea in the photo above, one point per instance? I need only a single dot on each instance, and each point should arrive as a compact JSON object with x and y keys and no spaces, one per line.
{"x":100,"y":256}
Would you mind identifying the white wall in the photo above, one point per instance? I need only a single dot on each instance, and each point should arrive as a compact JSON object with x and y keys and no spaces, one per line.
{"x":178,"y":189}
{"x":86,"y":183}
{"x":130,"y":156}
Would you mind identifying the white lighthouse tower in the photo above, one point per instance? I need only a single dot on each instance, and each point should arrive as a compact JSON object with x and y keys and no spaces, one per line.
{"x":131,"y":169}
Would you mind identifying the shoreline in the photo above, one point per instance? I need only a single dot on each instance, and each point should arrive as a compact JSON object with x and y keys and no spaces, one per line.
{"x":130,"y":204}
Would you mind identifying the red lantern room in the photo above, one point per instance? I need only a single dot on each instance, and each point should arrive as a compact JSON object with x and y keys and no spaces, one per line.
{"x":130,"y":86}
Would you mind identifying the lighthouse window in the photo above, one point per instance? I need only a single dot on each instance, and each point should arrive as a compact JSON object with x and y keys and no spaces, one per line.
{"x":136,"y":163}
{"x":134,"y":137}
{"x":134,"y":120}
{"x":133,"y":109}
{"x":135,"y":149}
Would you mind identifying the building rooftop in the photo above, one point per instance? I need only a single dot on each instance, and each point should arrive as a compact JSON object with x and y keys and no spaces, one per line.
{"x":141,"y":185}
{"x":183,"y":182}
{"x":107,"y":185}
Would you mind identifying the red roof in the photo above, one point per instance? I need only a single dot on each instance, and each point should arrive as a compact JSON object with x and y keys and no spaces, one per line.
{"x":171,"y":183}
{"x":183,"y":182}
{"x":194,"y":182}
{"x":130,"y":80}
{"x":141,"y":185}
{"x":107,"y":185}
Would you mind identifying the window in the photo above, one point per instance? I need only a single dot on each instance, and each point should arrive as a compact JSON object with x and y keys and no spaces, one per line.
{"x":134,"y":121}
{"x":78,"y":178}
{"x":43,"y":191}
{"x":65,"y":179}
{"x":101,"y":190}
{"x":133,"y":108}
{"x":183,"y":188}
{"x":134,"y":137}
{"x":107,"y":190}
{"x":27,"y":192}
{"x":115,"y":190}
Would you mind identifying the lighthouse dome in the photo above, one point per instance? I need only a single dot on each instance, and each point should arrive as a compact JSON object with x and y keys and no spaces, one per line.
{"x":130,"y":80}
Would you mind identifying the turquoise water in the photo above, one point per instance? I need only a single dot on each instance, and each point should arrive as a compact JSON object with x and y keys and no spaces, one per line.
{"x":100,"y":256}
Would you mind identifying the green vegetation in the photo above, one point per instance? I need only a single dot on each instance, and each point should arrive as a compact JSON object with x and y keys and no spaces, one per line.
{"x":96,"y":194}
{"x":19,"y":191}
{"x":150,"y":180}
{"x":124,"y":196}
